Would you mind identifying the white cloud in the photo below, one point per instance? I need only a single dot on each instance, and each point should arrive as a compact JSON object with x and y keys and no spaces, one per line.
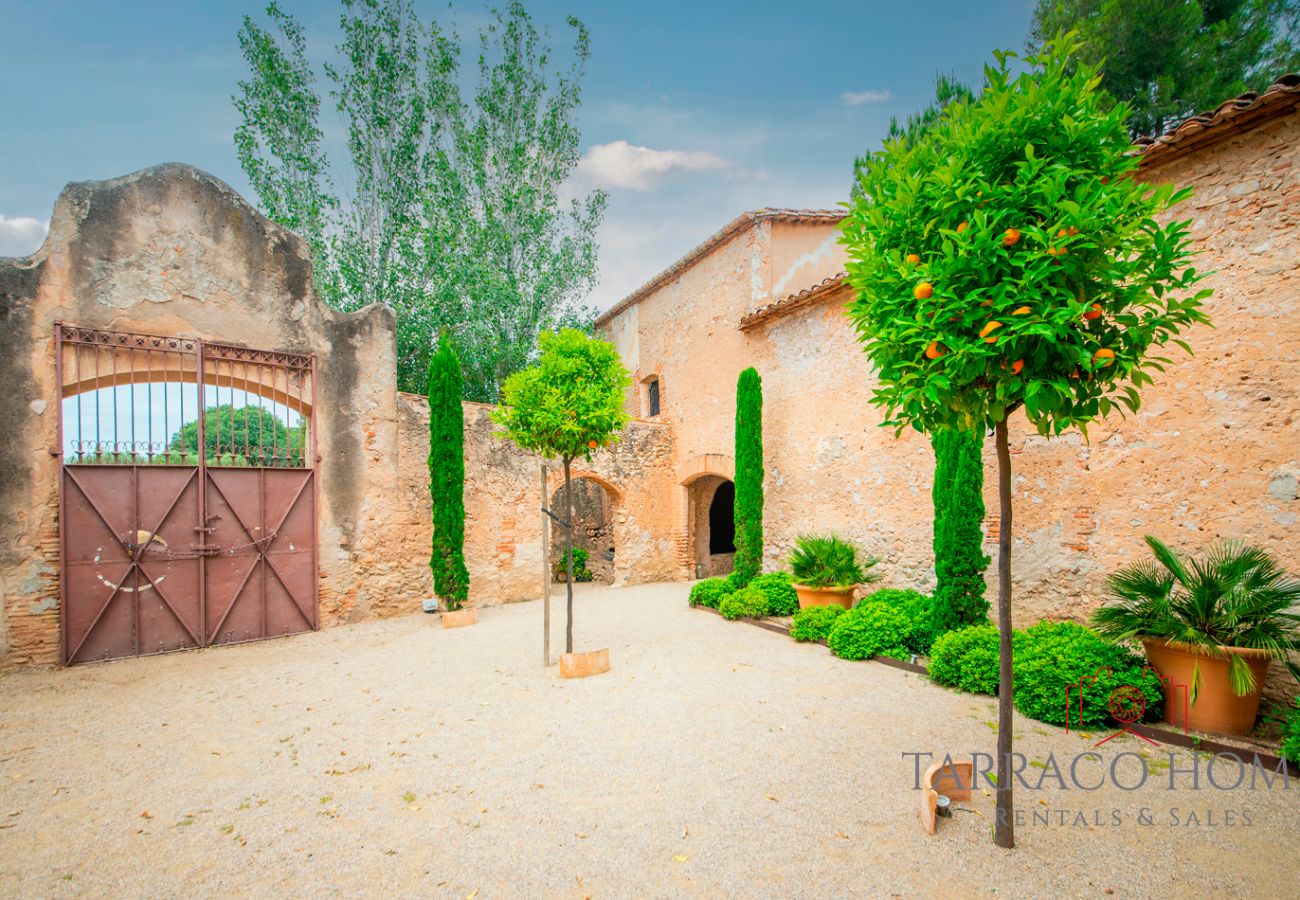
{"x":622,"y":165}
{"x":858,"y":98}
{"x":21,"y":235}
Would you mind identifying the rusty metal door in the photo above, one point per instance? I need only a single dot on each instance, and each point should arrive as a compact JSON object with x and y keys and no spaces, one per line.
{"x":205,"y":536}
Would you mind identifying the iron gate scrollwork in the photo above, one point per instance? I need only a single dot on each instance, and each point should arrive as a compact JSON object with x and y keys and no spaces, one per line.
{"x":188,"y":493}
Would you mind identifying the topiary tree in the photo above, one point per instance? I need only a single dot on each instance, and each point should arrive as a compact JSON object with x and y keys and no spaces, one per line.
{"x":568,"y":404}
{"x":959,"y":557}
{"x":447,"y":476}
{"x":749,"y":477}
{"x":1009,"y":260}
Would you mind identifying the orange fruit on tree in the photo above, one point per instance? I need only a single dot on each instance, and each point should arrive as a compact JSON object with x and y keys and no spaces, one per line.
{"x":987,"y":303}
{"x":1022,"y":311}
{"x":1104,"y":357}
{"x":1061,"y":233}
{"x":1094,"y":312}
{"x":591,"y":444}
{"x":934,"y":350}
{"x":1072,"y":231}
{"x":961,"y":227}
{"x":1056,"y":251}
{"x":988,"y":329}
{"x":1011,"y":237}
{"x":1017,"y":366}
{"x":923,"y":291}
{"x":913,"y":258}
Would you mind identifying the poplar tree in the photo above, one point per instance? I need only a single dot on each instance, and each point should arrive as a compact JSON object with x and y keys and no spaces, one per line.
{"x":447,"y":476}
{"x":749,"y":478}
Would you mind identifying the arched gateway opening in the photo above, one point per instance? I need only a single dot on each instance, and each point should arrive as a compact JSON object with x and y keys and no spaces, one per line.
{"x":712,"y":508}
{"x":593,"y":518}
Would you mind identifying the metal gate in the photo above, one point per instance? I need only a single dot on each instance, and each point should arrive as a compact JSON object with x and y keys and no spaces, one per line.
{"x":187,"y":509}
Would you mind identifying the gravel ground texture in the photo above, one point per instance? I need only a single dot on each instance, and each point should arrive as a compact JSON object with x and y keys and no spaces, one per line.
{"x":716,"y":759}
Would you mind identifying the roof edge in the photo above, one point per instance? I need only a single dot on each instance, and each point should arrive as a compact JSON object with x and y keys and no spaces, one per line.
{"x":1234,"y":116}
{"x":719,"y":237}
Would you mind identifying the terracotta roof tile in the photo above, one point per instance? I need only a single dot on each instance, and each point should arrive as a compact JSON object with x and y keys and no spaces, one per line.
{"x":819,"y":291}
{"x":1235,"y":115}
{"x":731,"y":229}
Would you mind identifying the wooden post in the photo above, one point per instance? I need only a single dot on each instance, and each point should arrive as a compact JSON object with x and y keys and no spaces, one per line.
{"x":546,"y":575}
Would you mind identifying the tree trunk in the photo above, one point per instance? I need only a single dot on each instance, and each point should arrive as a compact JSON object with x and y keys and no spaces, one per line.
{"x":568,"y":557}
{"x":1004,"y":832}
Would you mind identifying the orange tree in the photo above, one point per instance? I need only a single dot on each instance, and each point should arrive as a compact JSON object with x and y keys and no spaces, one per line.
{"x":567,"y":404}
{"x":1009,"y":260}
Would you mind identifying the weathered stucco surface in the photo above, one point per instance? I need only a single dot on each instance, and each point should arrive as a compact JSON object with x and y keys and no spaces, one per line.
{"x":1212,"y":454}
{"x":172,"y":251}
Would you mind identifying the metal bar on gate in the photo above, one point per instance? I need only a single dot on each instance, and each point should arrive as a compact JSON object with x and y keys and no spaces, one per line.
{"x":315,"y":496}
{"x":203,"y":496}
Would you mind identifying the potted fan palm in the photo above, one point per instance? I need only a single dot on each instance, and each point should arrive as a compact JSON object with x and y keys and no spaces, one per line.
{"x":1210,"y":628}
{"x":826,"y":571}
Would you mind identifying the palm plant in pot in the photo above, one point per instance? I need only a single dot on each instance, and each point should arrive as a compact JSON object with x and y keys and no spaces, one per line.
{"x":1210,"y":628}
{"x":826,"y":571}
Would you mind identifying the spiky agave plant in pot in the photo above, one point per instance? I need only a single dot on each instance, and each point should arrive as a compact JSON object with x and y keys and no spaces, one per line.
{"x":1210,"y":627}
{"x":826,"y":571}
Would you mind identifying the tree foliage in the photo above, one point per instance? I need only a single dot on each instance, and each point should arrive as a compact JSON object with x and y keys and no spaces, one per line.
{"x":1010,"y":259}
{"x":447,"y":211}
{"x":1170,"y":59}
{"x":947,"y":89}
{"x":959,"y":557}
{"x":749,"y":477}
{"x":568,"y":404}
{"x":447,"y":476}
{"x":252,"y":434}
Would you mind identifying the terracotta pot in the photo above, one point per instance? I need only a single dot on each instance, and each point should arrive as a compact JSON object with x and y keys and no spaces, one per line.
{"x":827,"y":596}
{"x":1217,"y":708}
{"x":580,"y":665}
{"x":460,"y":617}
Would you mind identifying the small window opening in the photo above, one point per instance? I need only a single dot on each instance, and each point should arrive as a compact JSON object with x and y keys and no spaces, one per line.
{"x":652,"y":397}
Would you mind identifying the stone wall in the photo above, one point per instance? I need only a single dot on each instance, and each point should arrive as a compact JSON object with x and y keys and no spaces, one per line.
{"x":172,"y":251}
{"x":1212,"y":454}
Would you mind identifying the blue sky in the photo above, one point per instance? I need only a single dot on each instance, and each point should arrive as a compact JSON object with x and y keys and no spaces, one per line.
{"x":694,"y":111}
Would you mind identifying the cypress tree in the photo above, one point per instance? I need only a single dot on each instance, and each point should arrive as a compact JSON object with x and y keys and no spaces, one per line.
{"x":749,"y":478}
{"x":447,"y":476}
{"x":959,"y":558}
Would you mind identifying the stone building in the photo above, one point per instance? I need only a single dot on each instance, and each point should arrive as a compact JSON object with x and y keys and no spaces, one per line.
{"x":164,"y":284}
{"x":1214,"y":452}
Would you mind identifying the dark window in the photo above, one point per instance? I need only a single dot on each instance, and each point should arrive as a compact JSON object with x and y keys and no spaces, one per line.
{"x":722,"y":519}
{"x":652,"y":397}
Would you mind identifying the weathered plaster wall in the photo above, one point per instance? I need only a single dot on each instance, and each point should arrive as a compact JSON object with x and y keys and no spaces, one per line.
{"x":685,"y":332}
{"x":1213,"y":453}
{"x":173,"y":251}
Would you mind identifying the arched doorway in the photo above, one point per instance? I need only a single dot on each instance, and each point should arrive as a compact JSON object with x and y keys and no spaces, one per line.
{"x":593,"y":518}
{"x":713,"y":528}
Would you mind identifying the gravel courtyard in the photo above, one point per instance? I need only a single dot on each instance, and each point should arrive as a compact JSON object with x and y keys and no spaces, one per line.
{"x":715,"y":759}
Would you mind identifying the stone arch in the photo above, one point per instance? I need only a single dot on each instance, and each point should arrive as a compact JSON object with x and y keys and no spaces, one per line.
{"x":597,"y":513}
{"x":700,"y":552}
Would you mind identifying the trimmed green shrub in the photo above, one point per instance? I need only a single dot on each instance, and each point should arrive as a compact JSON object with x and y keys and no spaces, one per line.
{"x":967,"y":658}
{"x":959,"y":558}
{"x":815,"y":622}
{"x":447,"y":476}
{"x":1055,"y":655}
{"x":917,"y":607}
{"x":749,"y":477}
{"x":1291,"y":734}
{"x":781,"y":597}
{"x":870,"y":629}
{"x":709,"y":592}
{"x":746,"y":603}
{"x":822,"y":562}
{"x":580,"y":571}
